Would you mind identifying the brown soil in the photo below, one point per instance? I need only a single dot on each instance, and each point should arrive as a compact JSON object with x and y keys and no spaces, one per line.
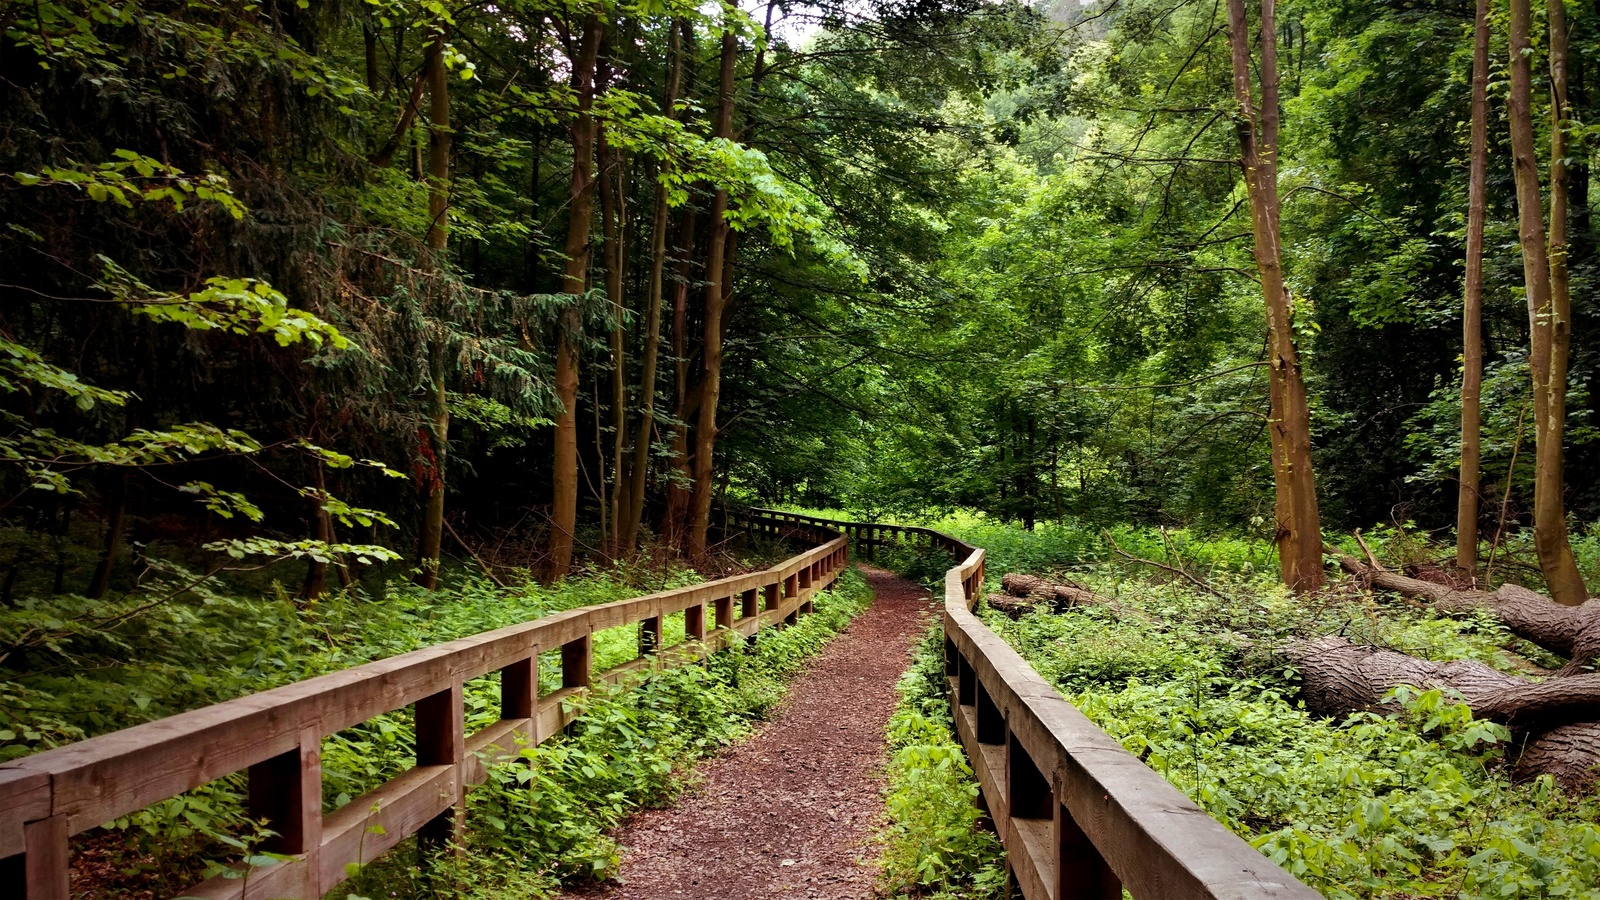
{"x":790,"y":812}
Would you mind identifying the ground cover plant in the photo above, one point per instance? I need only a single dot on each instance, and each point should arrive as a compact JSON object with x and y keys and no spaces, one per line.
{"x":1417,"y":803}
{"x":934,"y":844}
{"x":545,"y":819}
{"x":182,"y":642}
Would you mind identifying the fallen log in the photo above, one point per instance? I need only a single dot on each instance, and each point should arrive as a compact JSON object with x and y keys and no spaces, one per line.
{"x":1555,"y":717}
{"x":1058,"y":595}
{"x":1570,"y":631}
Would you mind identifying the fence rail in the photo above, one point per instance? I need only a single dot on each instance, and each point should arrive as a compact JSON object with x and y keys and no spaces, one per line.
{"x":1080,"y":817}
{"x":275,"y":736}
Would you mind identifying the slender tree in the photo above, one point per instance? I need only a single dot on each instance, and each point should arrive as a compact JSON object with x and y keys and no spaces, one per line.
{"x":574,"y":274}
{"x":1299,"y":534}
{"x":437,"y":427}
{"x":650,"y":353}
{"x":718,"y":283}
{"x":1472,"y":303}
{"x":1549,"y":304}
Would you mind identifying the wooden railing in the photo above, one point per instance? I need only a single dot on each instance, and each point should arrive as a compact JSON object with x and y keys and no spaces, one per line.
{"x":1079,"y":816}
{"x":276,"y":735}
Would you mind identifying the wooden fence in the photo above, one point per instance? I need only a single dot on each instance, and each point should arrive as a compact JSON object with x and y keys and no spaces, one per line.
{"x":1079,"y":816}
{"x":276,"y":735}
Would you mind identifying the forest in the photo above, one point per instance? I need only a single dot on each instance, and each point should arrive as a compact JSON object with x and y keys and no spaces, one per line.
{"x":334,"y":329}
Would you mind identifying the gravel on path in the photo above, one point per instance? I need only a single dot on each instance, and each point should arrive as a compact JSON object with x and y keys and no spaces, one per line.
{"x":790,"y":812}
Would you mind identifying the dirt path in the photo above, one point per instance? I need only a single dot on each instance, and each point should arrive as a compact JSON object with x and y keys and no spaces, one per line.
{"x":789,"y":812}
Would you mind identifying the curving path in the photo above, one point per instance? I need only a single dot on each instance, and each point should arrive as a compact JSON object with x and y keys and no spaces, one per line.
{"x":790,"y":812}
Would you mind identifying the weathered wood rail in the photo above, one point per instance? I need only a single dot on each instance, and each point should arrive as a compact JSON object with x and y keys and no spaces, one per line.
{"x":1080,"y":817}
{"x":276,"y":735}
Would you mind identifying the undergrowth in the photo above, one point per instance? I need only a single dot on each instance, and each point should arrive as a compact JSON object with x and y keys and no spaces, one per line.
{"x":933,"y":845}
{"x":1417,"y":805}
{"x":1420,"y":804}
{"x":545,"y":819}
{"x":201,"y":646}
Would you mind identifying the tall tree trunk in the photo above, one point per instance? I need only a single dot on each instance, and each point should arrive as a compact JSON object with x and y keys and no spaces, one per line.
{"x":705,"y":433}
{"x":1299,"y":537}
{"x":115,"y":522}
{"x":613,"y":217}
{"x":650,"y":355}
{"x":675,"y":517}
{"x":1472,"y":305}
{"x":431,"y":534}
{"x":1549,"y":308}
{"x":369,"y":40}
{"x":580,"y":207}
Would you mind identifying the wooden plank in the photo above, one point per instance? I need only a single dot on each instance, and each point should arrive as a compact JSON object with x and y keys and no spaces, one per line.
{"x":1032,"y":856}
{"x":361,"y":830}
{"x":294,"y":877}
{"x":494,"y":744}
{"x":286,"y":793}
{"x":47,"y":865}
{"x":27,"y":798}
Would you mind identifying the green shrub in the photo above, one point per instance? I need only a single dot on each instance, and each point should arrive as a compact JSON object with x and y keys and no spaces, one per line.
{"x":1418,"y":805}
{"x":933,"y":845}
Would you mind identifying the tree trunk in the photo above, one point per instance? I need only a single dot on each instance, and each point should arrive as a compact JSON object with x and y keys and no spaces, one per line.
{"x":113,"y":546}
{"x":580,"y":206}
{"x":1472,"y":306}
{"x":612,"y":219}
{"x":431,"y":534}
{"x":650,"y":355}
{"x":1299,"y":537}
{"x":1058,"y":595}
{"x":1549,"y":316}
{"x":717,"y":283}
{"x":1341,"y":677}
{"x":1570,"y":631}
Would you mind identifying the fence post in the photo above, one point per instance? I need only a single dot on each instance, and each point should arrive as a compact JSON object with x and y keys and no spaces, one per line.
{"x":576,"y":660}
{"x":1080,"y":869}
{"x":694,"y":622}
{"x":771,"y":591}
{"x":286,"y":793}
{"x":747,"y":604}
{"x":45,"y":865}
{"x":649,"y":635}
{"x":724,"y":612}
{"x":442,"y":741}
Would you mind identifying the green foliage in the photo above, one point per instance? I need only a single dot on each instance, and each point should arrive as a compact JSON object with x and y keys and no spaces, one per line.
{"x":1419,"y":804}
{"x":934,"y":846}
{"x":545,"y":819}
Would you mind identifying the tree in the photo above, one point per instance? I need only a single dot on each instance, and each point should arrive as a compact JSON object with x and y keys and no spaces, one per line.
{"x":1472,"y":303}
{"x":574,"y":281}
{"x":1549,"y":302}
{"x":431,"y":534}
{"x":1299,"y":534}
{"x":719,"y":272}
